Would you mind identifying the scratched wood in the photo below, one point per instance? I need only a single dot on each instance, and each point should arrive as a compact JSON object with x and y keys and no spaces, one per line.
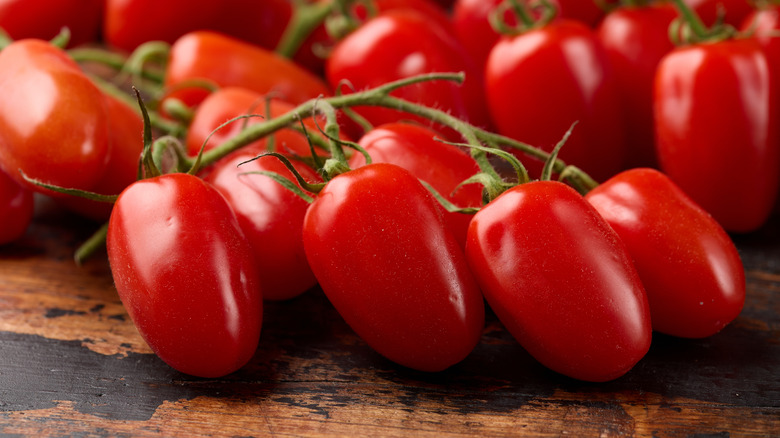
{"x":71,"y":363}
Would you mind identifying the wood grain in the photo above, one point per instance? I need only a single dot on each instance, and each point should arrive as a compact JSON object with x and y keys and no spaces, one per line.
{"x":71,"y":363}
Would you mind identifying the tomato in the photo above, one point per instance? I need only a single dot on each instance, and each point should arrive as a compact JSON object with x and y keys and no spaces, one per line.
{"x":271,"y":217}
{"x":585,"y":11}
{"x":716,"y":112}
{"x":560,"y":280}
{"x":540,"y":82}
{"x":44,"y":19}
{"x":53,"y":120}
{"x":226,"y":61}
{"x":185,"y":273}
{"x":691,"y":270}
{"x":383,"y":256}
{"x":636,"y":38}
{"x":399,"y":44}
{"x":130,"y":23}
{"x":763,"y":23}
{"x":230,"y":102}
{"x":441,"y":165}
{"x":734,"y":11}
{"x":16,"y":209}
{"x":126,"y":143}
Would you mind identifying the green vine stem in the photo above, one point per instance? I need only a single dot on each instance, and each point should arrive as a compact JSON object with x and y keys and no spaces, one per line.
{"x":305,"y":18}
{"x":689,"y":28}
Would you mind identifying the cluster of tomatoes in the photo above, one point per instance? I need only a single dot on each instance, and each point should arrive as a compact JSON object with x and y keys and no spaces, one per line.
{"x":331,"y":143}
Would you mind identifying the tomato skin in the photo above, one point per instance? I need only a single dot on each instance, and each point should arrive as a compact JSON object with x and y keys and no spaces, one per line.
{"x":44,"y":19}
{"x":403,"y":43}
{"x":226,"y":61}
{"x":561,"y":281}
{"x":715,"y":110}
{"x":16,"y":209}
{"x":271,"y":217}
{"x":636,"y":38}
{"x":185,"y":273}
{"x":382,"y":255}
{"x":540,"y":82}
{"x":441,"y":165}
{"x":126,"y":144}
{"x":130,"y":23}
{"x":691,"y":270}
{"x":709,"y":10}
{"x":764,"y":23}
{"x":53,"y":120}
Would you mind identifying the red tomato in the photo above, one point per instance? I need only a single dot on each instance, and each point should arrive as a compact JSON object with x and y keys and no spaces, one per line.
{"x":400,"y":44}
{"x":186,"y":274}
{"x":16,"y":209}
{"x":692,"y":273}
{"x":764,"y":23}
{"x":734,"y":11}
{"x":716,"y":113}
{"x":561,"y":281}
{"x":44,"y":19}
{"x":636,"y":38}
{"x":230,"y":102}
{"x":443,"y":166}
{"x":540,"y":82}
{"x":585,"y":11}
{"x":226,"y":61}
{"x":53,"y":120}
{"x":126,"y":143}
{"x":383,"y":256}
{"x":130,"y":23}
{"x":271,"y":217}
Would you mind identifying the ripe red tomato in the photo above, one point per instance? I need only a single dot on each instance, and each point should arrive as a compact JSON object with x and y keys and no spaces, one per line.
{"x":186,"y":274}
{"x":585,"y":11}
{"x":441,"y":165}
{"x":271,"y":217}
{"x":716,"y":112}
{"x":44,"y":19}
{"x":125,"y":138}
{"x":53,"y":119}
{"x":734,"y":11}
{"x":764,"y":23}
{"x":560,"y":280}
{"x":540,"y":82}
{"x":230,"y":102}
{"x":16,"y":209}
{"x":226,"y":61}
{"x":636,"y":38}
{"x":130,"y":23}
{"x":383,"y":256}
{"x":691,"y":270}
{"x":400,"y":44}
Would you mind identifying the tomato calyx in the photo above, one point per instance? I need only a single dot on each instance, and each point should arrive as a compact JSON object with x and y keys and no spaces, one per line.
{"x":527,"y":15}
{"x":688,"y":28}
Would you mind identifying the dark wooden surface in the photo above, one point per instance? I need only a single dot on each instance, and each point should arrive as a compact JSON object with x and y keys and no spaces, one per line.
{"x":72,"y":364}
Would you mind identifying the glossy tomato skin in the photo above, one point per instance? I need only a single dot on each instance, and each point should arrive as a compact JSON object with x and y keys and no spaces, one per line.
{"x":130,"y":23}
{"x":16,"y":209}
{"x":381,"y":253}
{"x":635,"y":39}
{"x":53,"y":120}
{"x":271,"y":217}
{"x":403,"y":43}
{"x":44,"y":19}
{"x":715,"y":110}
{"x":443,"y":166}
{"x":185,"y":273}
{"x":691,"y":270}
{"x":125,"y":138}
{"x":561,"y":281}
{"x":540,"y":82}
{"x":226,"y":61}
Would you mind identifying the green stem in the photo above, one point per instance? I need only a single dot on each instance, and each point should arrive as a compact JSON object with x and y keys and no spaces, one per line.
{"x":91,"y":245}
{"x":306,"y":17}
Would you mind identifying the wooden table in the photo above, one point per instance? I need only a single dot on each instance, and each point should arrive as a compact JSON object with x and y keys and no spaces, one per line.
{"x":71,"y":363}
